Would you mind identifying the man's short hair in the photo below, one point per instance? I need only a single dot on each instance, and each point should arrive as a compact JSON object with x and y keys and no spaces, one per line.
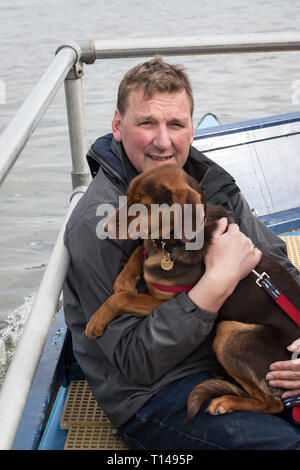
{"x":154,"y":76}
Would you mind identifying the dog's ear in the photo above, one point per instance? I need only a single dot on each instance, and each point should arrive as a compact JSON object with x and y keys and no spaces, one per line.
{"x":194,"y":215}
{"x":130,"y":222}
{"x":115,"y":227}
{"x":193,"y":209}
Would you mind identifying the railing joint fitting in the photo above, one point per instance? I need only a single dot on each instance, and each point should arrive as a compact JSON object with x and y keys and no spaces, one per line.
{"x":77,"y":70}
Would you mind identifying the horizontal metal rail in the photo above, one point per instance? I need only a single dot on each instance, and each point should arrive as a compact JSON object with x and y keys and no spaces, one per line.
{"x":17,"y":133}
{"x":210,"y":44}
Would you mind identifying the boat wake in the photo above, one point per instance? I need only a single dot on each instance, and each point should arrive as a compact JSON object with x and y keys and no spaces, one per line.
{"x":11,"y":333}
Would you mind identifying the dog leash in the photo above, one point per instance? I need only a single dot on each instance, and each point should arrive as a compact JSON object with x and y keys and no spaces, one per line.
{"x":263,"y":280}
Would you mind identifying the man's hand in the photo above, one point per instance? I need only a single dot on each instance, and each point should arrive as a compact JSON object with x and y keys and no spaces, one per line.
{"x":230,"y":258}
{"x":286,"y":374}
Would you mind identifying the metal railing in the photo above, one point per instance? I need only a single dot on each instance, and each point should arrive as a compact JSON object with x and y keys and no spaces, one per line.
{"x":67,"y":66}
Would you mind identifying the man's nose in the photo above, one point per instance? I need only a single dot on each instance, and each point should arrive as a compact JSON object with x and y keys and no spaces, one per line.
{"x":162,"y":139}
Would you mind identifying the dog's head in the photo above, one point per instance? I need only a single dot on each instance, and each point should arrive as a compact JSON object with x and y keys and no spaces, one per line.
{"x":162,"y":202}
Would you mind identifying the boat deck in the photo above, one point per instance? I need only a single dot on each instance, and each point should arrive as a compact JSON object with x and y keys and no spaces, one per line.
{"x":88,"y":426}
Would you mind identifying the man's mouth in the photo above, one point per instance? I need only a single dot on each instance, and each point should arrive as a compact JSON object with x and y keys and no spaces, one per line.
{"x":161,"y":159}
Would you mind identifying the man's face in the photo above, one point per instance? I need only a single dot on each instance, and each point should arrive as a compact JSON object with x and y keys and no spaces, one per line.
{"x":155,"y":130}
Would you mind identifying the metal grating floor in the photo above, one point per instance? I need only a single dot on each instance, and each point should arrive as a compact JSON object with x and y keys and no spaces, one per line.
{"x":293,"y":248}
{"x":88,"y":426}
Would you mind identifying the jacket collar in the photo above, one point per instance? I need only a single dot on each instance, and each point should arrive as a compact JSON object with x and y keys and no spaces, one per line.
{"x":108,"y":153}
{"x":111,"y":156}
{"x":129,"y":170}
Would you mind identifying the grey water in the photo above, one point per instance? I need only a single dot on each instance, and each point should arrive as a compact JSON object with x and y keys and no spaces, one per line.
{"x":35,"y":196}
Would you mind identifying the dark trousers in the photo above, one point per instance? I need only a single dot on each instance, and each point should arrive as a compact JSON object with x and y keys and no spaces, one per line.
{"x":158,"y":425}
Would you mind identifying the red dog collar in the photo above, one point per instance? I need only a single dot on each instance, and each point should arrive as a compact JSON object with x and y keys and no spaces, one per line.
{"x":165,"y":288}
{"x":171,"y":288}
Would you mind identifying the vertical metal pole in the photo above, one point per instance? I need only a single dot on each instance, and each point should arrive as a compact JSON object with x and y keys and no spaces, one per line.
{"x":19,"y":130}
{"x":77,"y":129}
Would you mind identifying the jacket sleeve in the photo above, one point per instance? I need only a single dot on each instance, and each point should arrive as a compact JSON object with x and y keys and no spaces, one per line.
{"x":143,"y":348}
{"x":155,"y":344}
{"x":263,"y":237}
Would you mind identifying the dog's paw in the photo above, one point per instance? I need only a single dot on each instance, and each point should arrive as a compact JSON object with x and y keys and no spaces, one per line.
{"x":219,"y":406}
{"x":94,"y":328}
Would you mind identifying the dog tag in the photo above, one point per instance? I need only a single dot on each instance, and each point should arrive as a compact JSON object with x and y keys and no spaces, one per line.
{"x":167,"y":263}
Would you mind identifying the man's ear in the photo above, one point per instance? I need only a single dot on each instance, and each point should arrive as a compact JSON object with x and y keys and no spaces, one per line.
{"x":193,"y":134}
{"x":116,"y":126}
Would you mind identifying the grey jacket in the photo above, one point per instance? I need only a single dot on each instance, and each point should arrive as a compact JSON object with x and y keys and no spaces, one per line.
{"x":137,"y":356}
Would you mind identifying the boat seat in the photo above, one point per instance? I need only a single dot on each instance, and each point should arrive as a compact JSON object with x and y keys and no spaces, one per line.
{"x":264,"y":158}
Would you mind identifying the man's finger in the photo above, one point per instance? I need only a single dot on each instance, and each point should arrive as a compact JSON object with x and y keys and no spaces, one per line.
{"x":288,"y":384}
{"x":233,"y":228}
{"x":291,"y":393}
{"x":222,"y":226}
{"x":284,"y":375}
{"x":293,"y":364}
{"x":295,"y":346}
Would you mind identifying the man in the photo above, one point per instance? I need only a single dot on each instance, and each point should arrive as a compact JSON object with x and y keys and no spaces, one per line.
{"x":142,"y":369}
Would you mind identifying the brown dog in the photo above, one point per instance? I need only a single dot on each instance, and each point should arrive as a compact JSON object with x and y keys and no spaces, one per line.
{"x":252,"y":331}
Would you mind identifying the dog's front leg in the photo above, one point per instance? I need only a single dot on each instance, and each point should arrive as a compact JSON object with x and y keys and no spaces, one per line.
{"x":117,"y":304}
{"x":131,"y":273}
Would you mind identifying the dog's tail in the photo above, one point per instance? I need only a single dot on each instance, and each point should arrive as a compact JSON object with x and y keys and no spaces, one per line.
{"x":208,"y":389}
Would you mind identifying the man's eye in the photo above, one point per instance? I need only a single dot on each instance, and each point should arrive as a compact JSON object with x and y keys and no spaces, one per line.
{"x":176,"y":124}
